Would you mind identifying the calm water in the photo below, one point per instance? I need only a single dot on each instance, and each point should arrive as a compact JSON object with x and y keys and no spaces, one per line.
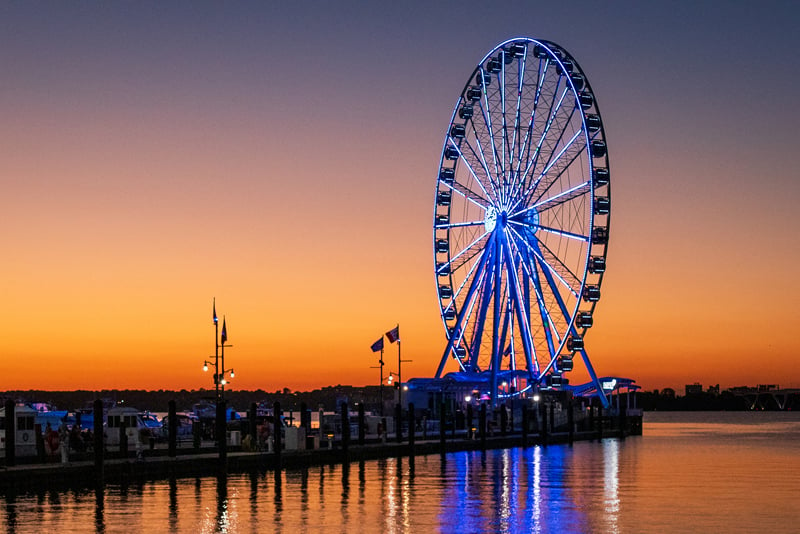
{"x":691,"y":472}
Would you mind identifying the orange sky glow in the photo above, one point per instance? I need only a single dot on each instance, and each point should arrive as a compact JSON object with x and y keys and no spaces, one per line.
{"x":283,"y":160}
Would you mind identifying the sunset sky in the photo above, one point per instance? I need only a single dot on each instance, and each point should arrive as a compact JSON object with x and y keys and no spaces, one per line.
{"x":282,"y":157}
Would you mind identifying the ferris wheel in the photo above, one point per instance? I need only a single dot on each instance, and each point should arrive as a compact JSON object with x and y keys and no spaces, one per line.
{"x":521,"y":219}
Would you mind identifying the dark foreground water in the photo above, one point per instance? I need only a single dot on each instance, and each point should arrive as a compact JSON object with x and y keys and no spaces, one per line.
{"x":690,"y":472}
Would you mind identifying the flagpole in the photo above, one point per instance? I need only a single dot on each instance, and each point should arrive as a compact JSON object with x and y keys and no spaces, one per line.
{"x":399,"y":372}
{"x":222,"y":362}
{"x":381,"y":384}
{"x":216,"y":352}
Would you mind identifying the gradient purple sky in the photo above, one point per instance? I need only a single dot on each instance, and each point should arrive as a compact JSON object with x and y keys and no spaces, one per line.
{"x":282,"y":158}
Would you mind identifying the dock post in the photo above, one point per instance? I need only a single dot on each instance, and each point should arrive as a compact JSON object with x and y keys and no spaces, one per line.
{"x":97,"y":413}
{"x":398,"y":422}
{"x":544,"y":427}
{"x":222,"y":427}
{"x":362,"y":424}
{"x":412,"y":427}
{"x":591,"y":417}
{"x":600,"y":422}
{"x":482,"y":425}
{"x":11,"y":427}
{"x":469,"y":422}
{"x":252,"y":418}
{"x":123,"y":439}
{"x":276,"y":432}
{"x":503,"y":420}
{"x":571,"y":421}
{"x":552,"y":417}
{"x":345,"y":427}
{"x":442,"y":422}
{"x":173,"y":429}
{"x":623,"y":423}
{"x":525,"y":425}
{"x":305,"y":417}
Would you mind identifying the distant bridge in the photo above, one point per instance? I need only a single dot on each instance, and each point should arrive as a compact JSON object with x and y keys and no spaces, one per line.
{"x":769,"y":398}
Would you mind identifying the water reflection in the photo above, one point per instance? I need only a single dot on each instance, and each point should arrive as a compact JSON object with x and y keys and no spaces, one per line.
{"x":223,"y":519}
{"x":173,"y":505}
{"x":11,"y":512}
{"x":99,"y":510}
{"x":611,"y":449}
{"x":538,"y":489}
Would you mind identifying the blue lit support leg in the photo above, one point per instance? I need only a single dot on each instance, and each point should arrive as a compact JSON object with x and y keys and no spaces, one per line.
{"x":462,"y":316}
{"x":563,"y":306}
{"x":480,"y":321}
{"x":496,"y":319}
{"x":522,"y":313}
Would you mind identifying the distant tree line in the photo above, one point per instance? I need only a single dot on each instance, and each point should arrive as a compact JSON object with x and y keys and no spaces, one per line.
{"x":701,"y":401}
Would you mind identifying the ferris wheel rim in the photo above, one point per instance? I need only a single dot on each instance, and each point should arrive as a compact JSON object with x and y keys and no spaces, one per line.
{"x":495,"y":204}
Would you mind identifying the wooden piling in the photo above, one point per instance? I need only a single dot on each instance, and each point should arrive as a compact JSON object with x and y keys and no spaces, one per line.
{"x":345,"y":428}
{"x":482,"y":425}
{"x":412,"y":429}
{"x":544,"y":428}
{"x":222,"y":432}
{"x":362,"y":424}
{"x":172,"y":429}
{"x":599,"y":422}
{"x":525,"y":425}
{"x":276,"y":433}
{"x":442,"y":424}
{"x":570,"y":421}
{"x":469,"y":422}
{"x":11,"y":428}
{"x":398,"y":422}
{"x":99,"y":443}
{"x":252,"y":419}
{"x":123,"y":439}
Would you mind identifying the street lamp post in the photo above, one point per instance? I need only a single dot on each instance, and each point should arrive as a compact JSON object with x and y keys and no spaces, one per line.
{"x":380,"y":361}
{"x":220,"y":340}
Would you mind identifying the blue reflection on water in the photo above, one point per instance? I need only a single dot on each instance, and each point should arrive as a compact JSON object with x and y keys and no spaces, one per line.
{"x":515,"y":490}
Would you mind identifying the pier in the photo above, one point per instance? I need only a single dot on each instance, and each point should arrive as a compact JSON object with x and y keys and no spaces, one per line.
{"x":163,"y":460}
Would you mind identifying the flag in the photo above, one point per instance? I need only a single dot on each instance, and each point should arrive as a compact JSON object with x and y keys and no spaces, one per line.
{"x":378,"y":345}
{"x":224,"y":336}
{"x":393,"y":334}
{"x":215,"y":311}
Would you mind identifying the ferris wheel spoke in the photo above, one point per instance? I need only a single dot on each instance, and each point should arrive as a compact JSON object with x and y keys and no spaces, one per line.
{"x":552,"y":161}
{"x":452,"y":262}
{"x":556,"y":200}
{"x":483,"y":166}
{"x":551,"y":258}
{"x":552,"y":114}
{"x":479,"y":268}
{"x":485,"y":297}
{"x":571,"y":235}
{"x":458,"y":225}
{"x":525,"y":147}
{"x":562,"y":162}
{"x":468,"y":194}
{"x":548,"y":324}
{"x":504,"y":140}
{"x":487,"y":119}
{"x":522,"y":310}
{"x":554,"y":291}
{"x":536,"y":251}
